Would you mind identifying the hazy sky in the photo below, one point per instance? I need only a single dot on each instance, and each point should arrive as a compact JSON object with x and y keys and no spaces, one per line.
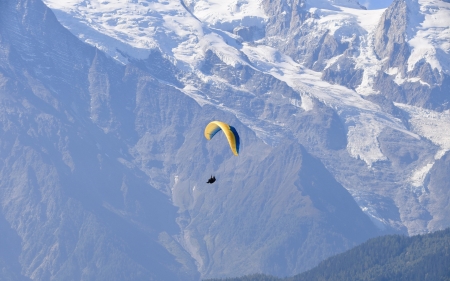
{"x":375,"y":4}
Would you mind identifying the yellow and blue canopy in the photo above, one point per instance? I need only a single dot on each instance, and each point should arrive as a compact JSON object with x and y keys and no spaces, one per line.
{"x":230,"y":132}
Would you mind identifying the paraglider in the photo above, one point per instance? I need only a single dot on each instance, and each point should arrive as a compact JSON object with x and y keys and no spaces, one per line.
{"x":230,"y":132}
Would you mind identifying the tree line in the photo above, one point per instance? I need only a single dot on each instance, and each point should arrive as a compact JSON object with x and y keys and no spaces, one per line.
{"x":385,"y":258}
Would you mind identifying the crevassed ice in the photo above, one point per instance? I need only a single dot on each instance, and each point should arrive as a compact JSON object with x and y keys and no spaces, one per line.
{"x":430,"y":124}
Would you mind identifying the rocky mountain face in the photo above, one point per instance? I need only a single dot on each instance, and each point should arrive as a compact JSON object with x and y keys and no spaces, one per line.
{"x":308,"y":40}
{"x":68,"y":211}
{"x":423,"y":82}
{"x":404,"y":73}
{"x":104,"y":160}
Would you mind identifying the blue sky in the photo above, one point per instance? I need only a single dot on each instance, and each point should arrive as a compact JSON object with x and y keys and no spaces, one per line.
{"x":375,"y":4}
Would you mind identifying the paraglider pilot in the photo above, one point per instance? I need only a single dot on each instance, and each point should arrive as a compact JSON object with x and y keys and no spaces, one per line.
{"x":211,"y":179}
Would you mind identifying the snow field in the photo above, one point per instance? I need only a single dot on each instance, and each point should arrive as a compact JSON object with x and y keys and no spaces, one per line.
{"x":429,"y":35}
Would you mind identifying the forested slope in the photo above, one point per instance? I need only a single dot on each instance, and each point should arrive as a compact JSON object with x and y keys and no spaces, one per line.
{"x":391,"y":257}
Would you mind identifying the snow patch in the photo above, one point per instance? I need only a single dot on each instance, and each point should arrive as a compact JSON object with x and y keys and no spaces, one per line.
{"x":391,"y":71}
{"x":225,"y":52}
{"x":430,"y":35}
{"x":195,"y":94}
{"x":375,"y":218}
{"x":270,"y":60}
{"x":399,"y":80}
{"x":362,"y":138}
{"x":439,"y":154}
{"x":307,"y":102}
{"x":418,"y":176}
{"x":227,"y":14}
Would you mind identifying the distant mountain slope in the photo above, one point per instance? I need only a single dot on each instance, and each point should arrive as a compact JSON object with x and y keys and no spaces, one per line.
{"x":388,"y":258}
{"x":103,"y":167}
{"x":70,"y":208}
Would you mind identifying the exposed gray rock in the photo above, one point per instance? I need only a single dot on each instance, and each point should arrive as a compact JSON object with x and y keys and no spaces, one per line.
{"x":249,"y":34}
{"x":321,"y":127}
{"x":415,"y":93}
{"x":159,"y":66}
{"x":389,"y":107}
{"x":390,"y":41}
{"x":344,"y":72}
{"x":327,"y":48}
{"x":10,"y":249}
{"x":284,"y":16}
{"x":401,"y":155}
{"x":439,"y":187}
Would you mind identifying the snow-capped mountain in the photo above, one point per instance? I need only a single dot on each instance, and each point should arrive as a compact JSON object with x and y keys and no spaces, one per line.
{"x":415,"y":68}
{"x":341,"y":111}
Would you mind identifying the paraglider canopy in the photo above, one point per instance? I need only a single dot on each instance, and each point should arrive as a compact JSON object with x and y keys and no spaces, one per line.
{"x":230,"y":132}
